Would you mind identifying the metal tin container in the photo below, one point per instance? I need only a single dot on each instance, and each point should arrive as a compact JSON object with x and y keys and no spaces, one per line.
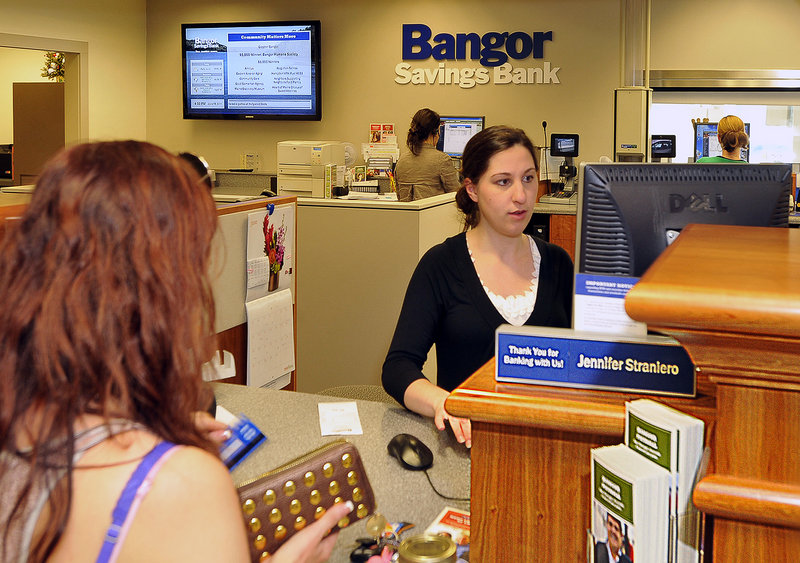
{"x":427,"y":548}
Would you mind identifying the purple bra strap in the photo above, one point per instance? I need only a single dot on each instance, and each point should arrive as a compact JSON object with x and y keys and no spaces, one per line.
{"x":140,"y":478}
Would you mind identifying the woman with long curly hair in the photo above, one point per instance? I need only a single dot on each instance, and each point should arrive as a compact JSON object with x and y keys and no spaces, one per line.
{"x":107,"y":317}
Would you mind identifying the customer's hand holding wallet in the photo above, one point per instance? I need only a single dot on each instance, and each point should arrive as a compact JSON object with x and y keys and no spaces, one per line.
{"x":285,"y":500}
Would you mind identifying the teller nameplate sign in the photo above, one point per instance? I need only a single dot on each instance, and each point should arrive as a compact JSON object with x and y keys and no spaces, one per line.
{"x":568,"y":358}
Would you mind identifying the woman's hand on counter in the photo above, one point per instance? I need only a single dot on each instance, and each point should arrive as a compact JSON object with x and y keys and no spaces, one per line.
{"x":462,"y":428}
{"x":427,"y":399}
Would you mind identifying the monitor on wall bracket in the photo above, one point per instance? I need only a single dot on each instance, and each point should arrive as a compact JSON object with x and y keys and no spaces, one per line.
{"x":252,"y":70}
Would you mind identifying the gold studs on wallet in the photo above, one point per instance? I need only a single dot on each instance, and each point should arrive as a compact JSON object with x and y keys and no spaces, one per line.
{"x":283,"y":501}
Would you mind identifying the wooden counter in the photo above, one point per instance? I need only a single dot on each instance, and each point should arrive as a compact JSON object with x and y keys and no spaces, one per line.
{"x":530,"y":482}
{"x":11,"y":206}
{"x":731,"y":297}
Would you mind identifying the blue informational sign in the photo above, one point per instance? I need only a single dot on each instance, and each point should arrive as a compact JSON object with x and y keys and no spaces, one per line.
{"x":567,"y":358}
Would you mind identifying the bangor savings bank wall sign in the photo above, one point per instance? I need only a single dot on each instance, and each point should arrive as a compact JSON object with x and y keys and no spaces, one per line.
{"x":492,"y":50}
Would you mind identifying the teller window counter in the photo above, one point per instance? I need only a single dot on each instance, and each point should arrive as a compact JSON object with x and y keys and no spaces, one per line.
{"x":290,"y":421}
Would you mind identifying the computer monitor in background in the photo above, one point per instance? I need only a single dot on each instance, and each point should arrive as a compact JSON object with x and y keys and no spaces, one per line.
{"x":564,"y":145}
{"x":662,"y":146}
{"x":455,"y":131}
{"x":706,"y":142}
{"x":630,"y":212}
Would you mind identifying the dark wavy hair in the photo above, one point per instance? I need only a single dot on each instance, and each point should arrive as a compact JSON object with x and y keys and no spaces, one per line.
{"x":200,"y":166}
{"x":423,"y":124}
{"x":108,"y":309}
{"x":475,"y":160}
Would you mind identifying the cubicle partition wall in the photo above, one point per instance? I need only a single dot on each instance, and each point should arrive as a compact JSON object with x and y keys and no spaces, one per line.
{"x":356,"y":259}
{"x":229,"y":279}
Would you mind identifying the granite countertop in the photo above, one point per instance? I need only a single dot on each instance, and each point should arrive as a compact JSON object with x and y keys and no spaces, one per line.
{"x":291,"y":422}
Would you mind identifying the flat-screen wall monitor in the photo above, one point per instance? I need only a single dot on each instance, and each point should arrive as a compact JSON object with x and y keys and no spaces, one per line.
{"x":455,"y":131}
{"x":258,"y":70}
{"x":562,"y":144}
{"x":706,"y":142}
{"x":662,"y":146}
{"x":630,"y":212}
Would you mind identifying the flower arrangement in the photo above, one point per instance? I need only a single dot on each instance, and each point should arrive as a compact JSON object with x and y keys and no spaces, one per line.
{"x":53,"y":66}
{"x":274,"y":246}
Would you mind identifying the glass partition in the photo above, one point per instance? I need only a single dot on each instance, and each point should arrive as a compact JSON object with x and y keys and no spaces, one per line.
{"x":774,"y":119}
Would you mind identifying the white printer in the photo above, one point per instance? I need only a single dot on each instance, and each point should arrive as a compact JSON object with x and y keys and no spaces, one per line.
{"x":301,"y":166}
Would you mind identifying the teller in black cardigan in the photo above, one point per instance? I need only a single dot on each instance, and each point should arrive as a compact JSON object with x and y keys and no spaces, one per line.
{"x":445,"y":304}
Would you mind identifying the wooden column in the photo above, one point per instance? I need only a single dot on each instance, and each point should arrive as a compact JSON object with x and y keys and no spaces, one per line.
{"x":731,"y":297}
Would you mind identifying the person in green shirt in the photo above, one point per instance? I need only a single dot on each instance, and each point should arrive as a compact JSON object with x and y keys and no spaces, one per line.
{"x":732,"y":137}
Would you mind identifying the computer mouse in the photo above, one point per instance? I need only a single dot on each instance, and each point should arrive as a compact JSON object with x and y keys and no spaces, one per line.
{"x":410,"y":452}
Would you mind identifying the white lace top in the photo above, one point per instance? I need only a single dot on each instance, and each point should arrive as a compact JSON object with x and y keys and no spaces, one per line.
{"x":516,"y":309}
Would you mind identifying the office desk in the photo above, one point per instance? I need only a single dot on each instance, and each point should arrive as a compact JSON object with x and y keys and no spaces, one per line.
{"x":291,"y":422}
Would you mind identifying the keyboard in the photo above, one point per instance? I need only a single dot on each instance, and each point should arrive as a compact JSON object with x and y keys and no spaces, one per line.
{"x":560,"y":198}
{"x":234,"y":198}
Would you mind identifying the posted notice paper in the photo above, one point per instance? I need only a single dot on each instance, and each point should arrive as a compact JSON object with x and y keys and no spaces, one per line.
{"x":270,"y":338}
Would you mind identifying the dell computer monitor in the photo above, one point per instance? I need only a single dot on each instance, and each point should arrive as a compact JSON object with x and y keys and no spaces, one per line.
{"x":630,"y":212}
{"x":564,"y":145}
{"x":706,"y":142}
{"x":455,"y":131}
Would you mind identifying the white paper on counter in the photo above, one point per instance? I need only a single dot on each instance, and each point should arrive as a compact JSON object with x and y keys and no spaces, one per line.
{"x":338,"y":419}
{"x":270,"y":338}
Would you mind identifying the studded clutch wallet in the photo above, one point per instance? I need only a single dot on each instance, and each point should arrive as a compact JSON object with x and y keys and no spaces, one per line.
{"x":285,"y":500}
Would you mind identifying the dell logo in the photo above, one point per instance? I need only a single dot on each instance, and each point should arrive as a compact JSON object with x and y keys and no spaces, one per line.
{"x":696,"y":203}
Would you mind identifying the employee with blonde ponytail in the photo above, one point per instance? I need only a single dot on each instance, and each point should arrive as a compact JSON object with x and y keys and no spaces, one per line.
{"x":732,"y":138}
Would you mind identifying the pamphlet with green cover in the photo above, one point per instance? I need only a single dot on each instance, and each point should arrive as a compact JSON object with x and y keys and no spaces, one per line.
{"x":630,"y":506}
{"x":672,"y":440}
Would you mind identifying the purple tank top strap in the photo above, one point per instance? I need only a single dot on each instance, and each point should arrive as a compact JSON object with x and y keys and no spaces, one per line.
{"x":130,"y":498}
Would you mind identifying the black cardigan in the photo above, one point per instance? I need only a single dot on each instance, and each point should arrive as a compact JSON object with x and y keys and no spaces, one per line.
{"x":446,"y":305}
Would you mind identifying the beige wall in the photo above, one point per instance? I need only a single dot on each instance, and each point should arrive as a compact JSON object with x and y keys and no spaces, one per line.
{"x":729,"y":34}
{"x":116,"y":37}
{"x":361,"y":44}
{"x":134,"y":62}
